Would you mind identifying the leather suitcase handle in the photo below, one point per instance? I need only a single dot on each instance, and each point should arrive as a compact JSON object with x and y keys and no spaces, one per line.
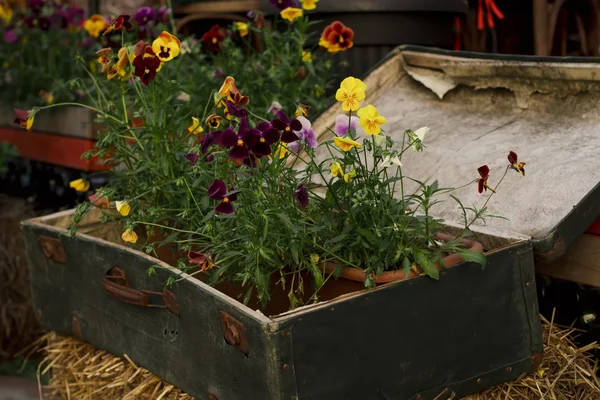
{"x":115,"y":283}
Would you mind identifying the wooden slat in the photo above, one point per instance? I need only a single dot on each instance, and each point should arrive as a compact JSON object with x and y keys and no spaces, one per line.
{"x":64,"y":151}
{"x":219,"y":7}
{"x":581,"y":262}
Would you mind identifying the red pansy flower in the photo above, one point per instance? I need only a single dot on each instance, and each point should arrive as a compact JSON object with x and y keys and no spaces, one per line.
{"x":212,"y":39}
{"x":484,"y":172}
{"x":218,"y":191}
{"x":122,"y":21}
{"x":146,"y":65}
{"x":513,"y":159}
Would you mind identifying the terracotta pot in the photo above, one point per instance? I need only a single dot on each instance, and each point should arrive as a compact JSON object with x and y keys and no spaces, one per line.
{"x":358,"y":275}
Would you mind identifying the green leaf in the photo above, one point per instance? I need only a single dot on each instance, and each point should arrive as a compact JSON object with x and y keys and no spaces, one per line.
{"x":367,"y":234}
{"x":317,"y":275}
{"x":407,"y":265}
{"x":473,"y":256}
{"x":427,"y":265}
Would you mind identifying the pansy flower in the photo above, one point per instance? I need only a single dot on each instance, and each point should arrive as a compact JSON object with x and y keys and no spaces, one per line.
{"x":23,"y":118}
{"x":200,"y":260}
{"x":10,"y":36}
{"x":94,"y":25}
{"x":336,"y":37}
{"x":419,"y":136}
{"x":218,"y":191}
{"x":44,"y":23}
{"x":162,"y":15}
{"x":349,"y":176}
{"x":341,"y":124}
{"x":370,"y":120}
{"x":100,"y":200}
{"x":287,"y":127}
{"x":291,"y":13}
{"x":146,"y":65}
{"x":346,"y":143}
{"x":306,"y":56}
{"x":305,"y":136}
{"x":60,"y":17}
{"x":193,"y":157}
{"x":129,"y":236}
{"x":166,"y":46}
{"x":265,"y":139}
{"x":35,"y":5}
{"x":213,"y":121}
{"x":283,"y":4}
{"x":144,"y":15}
{"x":212,"y":39}
{"x":123,"y":207}
{"x":302,"y":110}
{"x":301,"y":195}
{"x":242,"y":28}
{"x":75,"y":16}
{"x":351,"y":93}
{"x":275,"y":106}
{"x":231,"y":109}
{"x":195,"y":128}
{"x":513,"y":159}
{"x":309,"y":4}
{"x":240,"y":143}
{"x":336,"y":169}
{"x":80,"y":185}
{"x":121,"y":22}
{"x":484,"y":173}
{"x":6,"y":13}
{"x":123,"y":60}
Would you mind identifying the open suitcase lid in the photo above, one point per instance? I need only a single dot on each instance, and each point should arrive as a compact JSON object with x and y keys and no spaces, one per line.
{"x":480,"y":106}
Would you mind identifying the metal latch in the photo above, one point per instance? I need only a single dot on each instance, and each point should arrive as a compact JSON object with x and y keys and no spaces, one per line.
{"x":234,"y":332}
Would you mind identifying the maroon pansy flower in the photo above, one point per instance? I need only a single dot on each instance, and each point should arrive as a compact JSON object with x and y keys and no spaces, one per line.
{"x":235,"y":110}
{"x":44,"y":23}
{"x":240,"y":143}
{"x":283,"y":4}
{"x":193,"y":157}
{"x":121,"y":22}
{"x":21,"y":118}
{"x":218,"y":191}
{"x":145,"y":65}
{"x":513,"y":159}
{"x":75,"y":16}
{"x":301,"y":195}
{"x":266,"y":138}
{"x":200,"y":260}
{"x":287,"y":127}
{"x":35,"y":5}
{"x":484,"y":173}
{"x":212,"y":39}
{"x":212,"y":138}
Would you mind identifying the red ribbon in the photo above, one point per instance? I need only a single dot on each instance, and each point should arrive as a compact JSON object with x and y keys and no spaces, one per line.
{"x":491,"y":11}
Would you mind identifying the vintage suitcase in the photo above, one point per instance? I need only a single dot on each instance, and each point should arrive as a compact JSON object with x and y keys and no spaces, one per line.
{"x":415,"y":339}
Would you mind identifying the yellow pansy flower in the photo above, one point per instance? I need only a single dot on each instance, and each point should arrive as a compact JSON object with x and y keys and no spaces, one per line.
{"x":6,"y":13}
{"x":350,"y":93}
{"x":80,"y":185}
{"x":370,"y":120}
{"x":122,"y":63}
{"x":47,"y":96}
{"x":129,"y":236}
{"x":195,"y":128}
{"x":280,"y":152}
{"x":225,"y":90}
{"x":345,"y":143}
{"x":291,"y":13}
{"x":348,"y":177}
{"x":336,"y":169}
{"x":166,"y":46}
{"x":242,"y":28}
{"x":306,"y":56}
{"x":95,"y":25}
{"x":123,"y":207}
{"x":309,"y":4}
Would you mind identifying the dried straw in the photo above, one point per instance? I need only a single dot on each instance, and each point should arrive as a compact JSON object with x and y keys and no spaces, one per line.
{"x":18,"y":324}
{"x":81,"y":371}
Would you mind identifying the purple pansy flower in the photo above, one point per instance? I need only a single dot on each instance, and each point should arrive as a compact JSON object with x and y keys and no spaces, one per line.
{"x":10,"y":36}
{"x":35,"y":5}
{"x":31,"y":21}
{"x":218,"y":191}
{"x":236,"y":111}
{"x":305,"y":136}
{"x":240,"y":143}
{"x":44,"y":23}
{"x":193,"y":157}
{"x":275,"y":106}
{"x":283,"y":4}
{"x":75,"y":16}
{"x":287,"y":127}
{"x":162,"y":15}
{"x":341,"y":124}
{"x":144,"y":15}
{"x":60,"y":18}
{"x":266,"y":138}
{"x":301,"y":195}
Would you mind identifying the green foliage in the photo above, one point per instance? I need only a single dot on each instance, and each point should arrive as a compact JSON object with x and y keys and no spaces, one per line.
{"x":7,"y":151}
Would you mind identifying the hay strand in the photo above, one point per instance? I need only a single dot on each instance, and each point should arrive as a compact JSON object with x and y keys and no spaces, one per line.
{"x":81,"y":371}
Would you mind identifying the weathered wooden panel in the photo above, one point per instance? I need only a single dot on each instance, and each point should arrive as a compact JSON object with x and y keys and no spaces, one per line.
{"x":473,"y":328}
